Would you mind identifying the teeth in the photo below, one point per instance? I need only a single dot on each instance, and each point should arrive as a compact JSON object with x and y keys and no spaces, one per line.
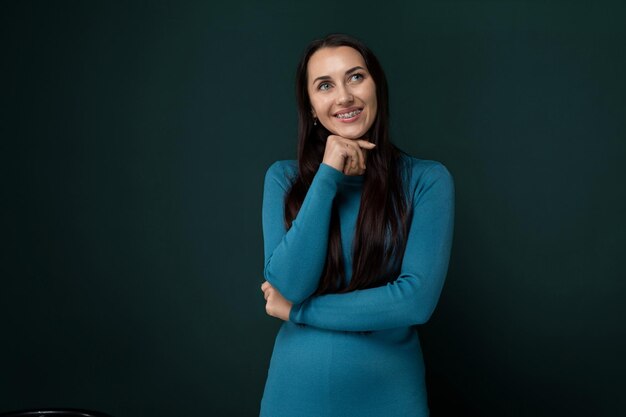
{"x":348,"y":115}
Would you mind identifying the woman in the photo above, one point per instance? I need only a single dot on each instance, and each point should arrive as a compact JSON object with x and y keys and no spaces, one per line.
{"x":357,"y":238}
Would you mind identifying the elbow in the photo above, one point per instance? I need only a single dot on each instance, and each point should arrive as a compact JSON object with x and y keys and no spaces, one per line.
{"x":293,"y":293}
{"x":422,"y":312}
{"x":422,"y":316}
{"x":424,"y":299}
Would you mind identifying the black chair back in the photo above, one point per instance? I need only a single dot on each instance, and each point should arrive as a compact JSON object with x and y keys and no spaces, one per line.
{"x":55,"y":412}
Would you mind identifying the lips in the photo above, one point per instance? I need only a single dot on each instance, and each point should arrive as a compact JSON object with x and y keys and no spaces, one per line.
{"x":348,"y":110}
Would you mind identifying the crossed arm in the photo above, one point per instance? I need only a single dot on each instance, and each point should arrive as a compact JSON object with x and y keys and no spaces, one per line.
{"x":408,"y":300}
{"x":294,"y":259}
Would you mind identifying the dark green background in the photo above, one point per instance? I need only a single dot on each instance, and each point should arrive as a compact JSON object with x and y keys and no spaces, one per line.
{"x":135,"y":138}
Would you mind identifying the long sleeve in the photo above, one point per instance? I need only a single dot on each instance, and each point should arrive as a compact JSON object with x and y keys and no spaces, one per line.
{"x":412,"y":297}
{"x":294,"y":259}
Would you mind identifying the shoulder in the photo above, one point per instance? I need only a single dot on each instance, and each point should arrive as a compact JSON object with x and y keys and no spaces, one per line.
{"x":424,"y":174}
{"x":424,"y":170}
{"x":282,"y":172}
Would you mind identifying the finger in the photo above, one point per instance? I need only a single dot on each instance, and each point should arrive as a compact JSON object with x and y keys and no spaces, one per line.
{"x":351,"y":162}
{"x":354,"y":162}
{"x":347,"y":161}
{"x":352,"y":157}
{"x":348,"y":153}
{"x":357,"y":157}
{"x":358,"y":161}
{"x":361,"y":165}
{"x":366,"y":144}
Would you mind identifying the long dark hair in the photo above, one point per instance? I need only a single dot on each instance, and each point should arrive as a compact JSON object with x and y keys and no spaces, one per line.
{"x":382,"y":223}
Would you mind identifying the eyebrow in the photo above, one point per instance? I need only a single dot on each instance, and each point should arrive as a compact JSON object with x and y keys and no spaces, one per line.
{"x":327,"y":77}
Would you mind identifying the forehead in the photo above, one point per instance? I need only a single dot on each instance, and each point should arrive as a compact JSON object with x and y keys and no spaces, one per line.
{"x":333,"y":61}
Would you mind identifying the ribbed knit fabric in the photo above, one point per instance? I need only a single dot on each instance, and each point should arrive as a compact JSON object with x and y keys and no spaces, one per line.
{"x":322,"y":364}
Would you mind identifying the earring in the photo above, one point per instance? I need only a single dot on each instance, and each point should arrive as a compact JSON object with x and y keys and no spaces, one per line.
{"x":314,"y":121}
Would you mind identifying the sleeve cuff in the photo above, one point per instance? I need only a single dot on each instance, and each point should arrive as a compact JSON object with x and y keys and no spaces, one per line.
{"x":327,"y":171}
{"x":295,"y":315}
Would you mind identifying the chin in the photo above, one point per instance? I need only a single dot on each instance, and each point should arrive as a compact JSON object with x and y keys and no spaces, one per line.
{"x":351,"y":134}
{"x":348,"y":132}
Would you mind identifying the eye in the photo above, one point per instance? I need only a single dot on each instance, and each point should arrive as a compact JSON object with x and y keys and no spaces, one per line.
{"x":359,"y":75}
{"x":323,"y":86}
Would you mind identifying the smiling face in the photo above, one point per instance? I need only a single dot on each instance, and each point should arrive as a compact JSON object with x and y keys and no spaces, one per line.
{"x":342,"y":91}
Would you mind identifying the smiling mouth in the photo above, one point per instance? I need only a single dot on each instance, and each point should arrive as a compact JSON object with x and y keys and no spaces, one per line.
{"x":348,"y":115}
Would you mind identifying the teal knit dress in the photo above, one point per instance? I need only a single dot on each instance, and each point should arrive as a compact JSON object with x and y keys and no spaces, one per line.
{"x":323,"y":364}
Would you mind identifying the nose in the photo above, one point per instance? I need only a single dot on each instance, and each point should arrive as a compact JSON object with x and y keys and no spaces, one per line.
{"x":344,"y":96}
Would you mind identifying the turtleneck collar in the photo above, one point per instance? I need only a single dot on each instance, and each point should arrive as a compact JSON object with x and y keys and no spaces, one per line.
{"x":352,"y":180}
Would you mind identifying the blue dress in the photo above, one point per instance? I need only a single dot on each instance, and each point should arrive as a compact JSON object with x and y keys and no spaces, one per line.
{"x":323,"y":365}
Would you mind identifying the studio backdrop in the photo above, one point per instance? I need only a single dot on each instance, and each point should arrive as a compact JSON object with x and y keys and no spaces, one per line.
{"x":135,"y":137}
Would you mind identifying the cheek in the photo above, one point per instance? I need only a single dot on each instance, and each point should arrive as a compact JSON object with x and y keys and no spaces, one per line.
{"x":320,"y":107}
{"x":369,"y":94}
{"x":373,"y":101}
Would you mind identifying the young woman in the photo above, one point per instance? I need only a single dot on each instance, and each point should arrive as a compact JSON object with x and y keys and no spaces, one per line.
{"x":357,"y":238}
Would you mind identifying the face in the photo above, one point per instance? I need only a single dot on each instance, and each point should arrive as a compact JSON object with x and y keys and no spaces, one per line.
{"x":342,"y":91}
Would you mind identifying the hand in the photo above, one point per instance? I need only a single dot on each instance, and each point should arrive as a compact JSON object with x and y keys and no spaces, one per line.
{"x":346,"y":155}
{"x":276,"y":305}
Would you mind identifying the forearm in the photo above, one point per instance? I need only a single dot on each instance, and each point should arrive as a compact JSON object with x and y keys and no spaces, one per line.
{"x":407,"y":301}
{"x":412,"y":297}
{"x":295,"y":263}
